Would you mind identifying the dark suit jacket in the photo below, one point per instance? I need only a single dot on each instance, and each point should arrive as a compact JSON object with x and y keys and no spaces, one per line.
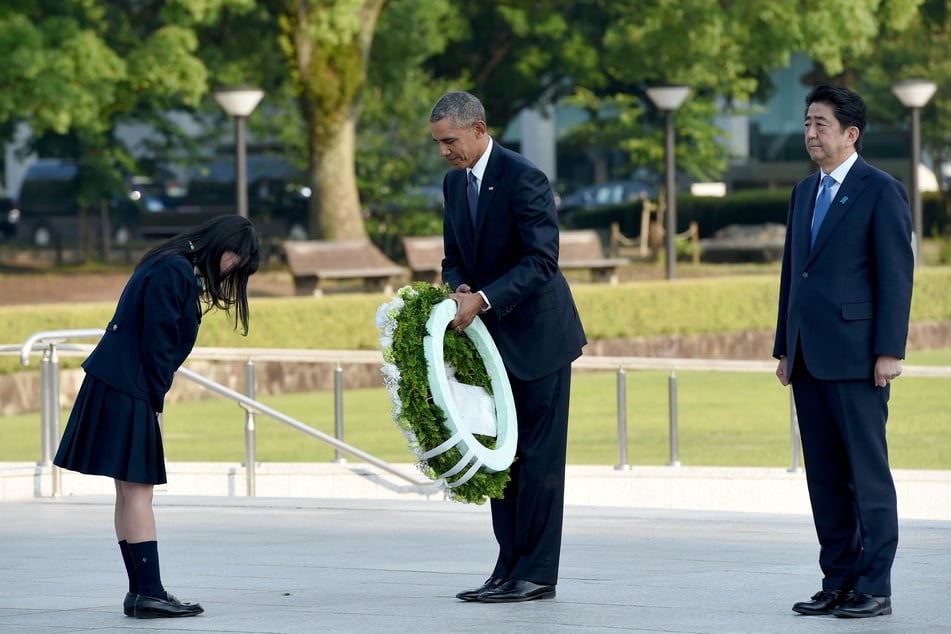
{"x":512,"y":256}
{"x":154,"y":329}
{"x":847,"y":301}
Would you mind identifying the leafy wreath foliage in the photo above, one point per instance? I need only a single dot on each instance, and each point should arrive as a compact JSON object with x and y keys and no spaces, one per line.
{"x":402,"y":325}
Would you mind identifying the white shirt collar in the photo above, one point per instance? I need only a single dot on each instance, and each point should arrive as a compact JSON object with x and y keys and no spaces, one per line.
{"x":842,"y":170}
{"x":479,"y":168}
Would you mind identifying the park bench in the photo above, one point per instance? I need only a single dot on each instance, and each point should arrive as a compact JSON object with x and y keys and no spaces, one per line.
{"x":424,"y":256}
{"x":579,"y":250}
{"x":313,"y":262}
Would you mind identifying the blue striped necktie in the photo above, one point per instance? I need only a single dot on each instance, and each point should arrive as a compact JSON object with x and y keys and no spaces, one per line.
{"x":822,"y":207}
{"x":472,"y":192}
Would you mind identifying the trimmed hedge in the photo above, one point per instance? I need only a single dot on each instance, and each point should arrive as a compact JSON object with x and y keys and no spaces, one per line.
{"x":744,"y":207}
{"x":635,"y":309}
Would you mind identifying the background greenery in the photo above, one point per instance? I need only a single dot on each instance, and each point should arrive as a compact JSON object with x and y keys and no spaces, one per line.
{"x":347,"y":92}
{"x":685,"y":306}
{"x":725,"y":418}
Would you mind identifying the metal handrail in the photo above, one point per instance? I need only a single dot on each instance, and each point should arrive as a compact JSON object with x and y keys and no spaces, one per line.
{"x":53,"y":344}
{"x":257,"y":407}
{"x":54,"y":336}
{"x":585,"y":362}
{"x":50,"y":342}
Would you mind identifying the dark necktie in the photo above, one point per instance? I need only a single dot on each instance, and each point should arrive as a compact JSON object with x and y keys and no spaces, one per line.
{"x":473,"y":193}
{"x":822,"y":207}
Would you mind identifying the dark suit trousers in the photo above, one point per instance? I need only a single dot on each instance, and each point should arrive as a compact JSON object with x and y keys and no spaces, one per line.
{"x":527,"y":521}
{"x":854,"y":506}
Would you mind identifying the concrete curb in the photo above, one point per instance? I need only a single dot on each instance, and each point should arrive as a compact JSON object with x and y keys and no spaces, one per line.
{"x":921,"y":494}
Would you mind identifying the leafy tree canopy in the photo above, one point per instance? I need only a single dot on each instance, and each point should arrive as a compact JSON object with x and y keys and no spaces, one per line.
{"x":349,"y":82}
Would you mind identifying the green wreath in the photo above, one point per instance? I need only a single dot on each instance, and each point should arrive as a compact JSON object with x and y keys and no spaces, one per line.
{"x":402,"y":324}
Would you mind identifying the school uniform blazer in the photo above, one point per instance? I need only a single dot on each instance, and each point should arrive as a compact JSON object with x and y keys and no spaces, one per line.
{"x":511,"y":254}
{"x":152,"y":332}
{"x":847,"y":300}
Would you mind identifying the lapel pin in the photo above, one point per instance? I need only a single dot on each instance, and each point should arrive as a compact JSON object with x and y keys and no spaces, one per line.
{"x":842,"y":201}
{"x":491,"y":188}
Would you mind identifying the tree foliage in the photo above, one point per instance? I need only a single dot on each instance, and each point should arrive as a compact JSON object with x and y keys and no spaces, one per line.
{"x":77,"y":70}
{"x":327,"y":44}
{"x":349,"y":83}
{"x":394,"y":148}
{"x":602,"y":56}
{"x":916,"y":50}
{"x":724,"y":51}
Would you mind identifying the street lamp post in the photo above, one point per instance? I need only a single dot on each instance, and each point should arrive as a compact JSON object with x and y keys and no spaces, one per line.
{"x":914,"y":94}
{"x":668,"y":99}
{"x":240,"y":103}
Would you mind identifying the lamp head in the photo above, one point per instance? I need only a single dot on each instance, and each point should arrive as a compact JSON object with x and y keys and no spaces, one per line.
{"x":914,"y":93}
{"x":239,"y":102}
{"x":668,"y":97}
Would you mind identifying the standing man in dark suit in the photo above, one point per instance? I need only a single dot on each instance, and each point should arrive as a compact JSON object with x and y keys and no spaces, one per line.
{"x":500,"y":234}
{"x":844,"y":302}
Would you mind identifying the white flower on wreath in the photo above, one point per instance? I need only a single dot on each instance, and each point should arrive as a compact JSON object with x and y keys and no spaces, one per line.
{"x":386,"y":321}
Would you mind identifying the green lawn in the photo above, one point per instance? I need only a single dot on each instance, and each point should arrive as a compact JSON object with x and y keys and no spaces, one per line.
{"x":725,"y":419}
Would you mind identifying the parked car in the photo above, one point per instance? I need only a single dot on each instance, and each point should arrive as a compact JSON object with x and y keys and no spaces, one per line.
{"x":49,"y":211}
{"x":278,"y":199}
{"x":604,"y":195}
{"x":9,"y":218}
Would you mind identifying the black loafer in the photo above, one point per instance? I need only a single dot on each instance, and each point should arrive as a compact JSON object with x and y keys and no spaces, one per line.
{"x":860,"y":606}
{"x":169,"y":607}
{"x":473,"y":595}
{"x":128,"y":604}
{"x":822,"y":602}
{"x":515,"y":590}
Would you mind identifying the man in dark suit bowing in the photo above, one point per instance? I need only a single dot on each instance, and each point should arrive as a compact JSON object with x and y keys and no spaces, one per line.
{"x":844,"y":302}
{"x":500,"y":235}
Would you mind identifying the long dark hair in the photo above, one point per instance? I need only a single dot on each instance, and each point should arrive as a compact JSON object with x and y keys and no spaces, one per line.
{"x":203,"y":246}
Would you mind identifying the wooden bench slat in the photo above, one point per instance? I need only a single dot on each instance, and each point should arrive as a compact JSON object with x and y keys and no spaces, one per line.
{"x":352,"y":273}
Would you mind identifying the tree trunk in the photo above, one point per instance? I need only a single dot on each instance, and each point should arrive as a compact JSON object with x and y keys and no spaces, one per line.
{"x":335,"y":212}
{"x":329,"y":52}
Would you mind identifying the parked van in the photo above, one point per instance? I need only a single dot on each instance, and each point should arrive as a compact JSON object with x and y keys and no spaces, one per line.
{"x":278,"y":194}
{"x":50,"y":214}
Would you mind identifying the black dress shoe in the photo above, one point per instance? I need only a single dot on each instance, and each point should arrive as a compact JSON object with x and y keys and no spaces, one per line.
{"x":515,"y":590}
{"x":473,"y":595}
{"x":128,"y":604}
{"x":860,"y":606}
{"x":169,"y":607}
{"x":822,"y":602}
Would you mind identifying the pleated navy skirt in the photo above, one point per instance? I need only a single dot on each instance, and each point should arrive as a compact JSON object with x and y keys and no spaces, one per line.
{"x":112,"y":434}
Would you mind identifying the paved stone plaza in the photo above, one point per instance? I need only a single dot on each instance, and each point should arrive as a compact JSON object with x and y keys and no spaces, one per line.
{"x":288,"y":565}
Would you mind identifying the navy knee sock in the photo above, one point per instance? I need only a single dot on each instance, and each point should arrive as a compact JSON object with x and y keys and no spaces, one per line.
{"x":129,"y":567}
{"x":146,"y":562}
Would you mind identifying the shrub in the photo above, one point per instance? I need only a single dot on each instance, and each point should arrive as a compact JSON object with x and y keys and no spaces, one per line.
{"x":755,"y":206}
